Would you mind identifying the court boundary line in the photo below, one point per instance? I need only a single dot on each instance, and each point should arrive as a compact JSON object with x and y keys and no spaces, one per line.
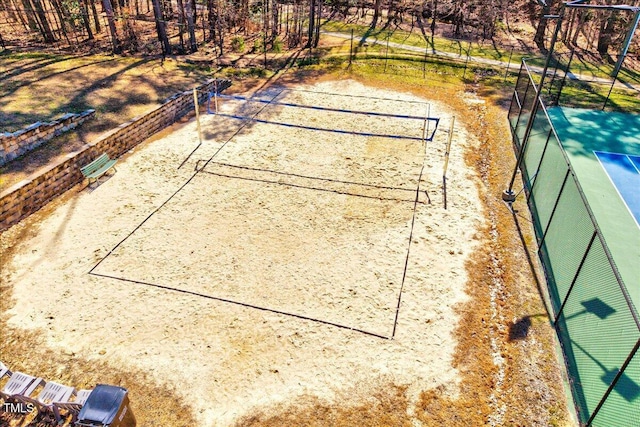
{"x":197,"y":171}
{"x":242,"y":304}
{"x":613,"y":183}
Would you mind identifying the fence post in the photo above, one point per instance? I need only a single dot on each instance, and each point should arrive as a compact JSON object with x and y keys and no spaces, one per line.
{"x":508,"y":65}
{"x":386,"y":54}
{"x":196,"y":105}
{"x":351,"y":49}
{"x":467,"y":61}
{"x":424,"y":62}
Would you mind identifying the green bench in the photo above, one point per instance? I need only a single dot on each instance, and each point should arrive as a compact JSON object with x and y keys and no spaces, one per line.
{"x":98,"y":167}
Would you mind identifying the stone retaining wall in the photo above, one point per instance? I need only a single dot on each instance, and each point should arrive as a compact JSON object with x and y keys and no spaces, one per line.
{"x":13,"y":145}
{"x":30,"y":195}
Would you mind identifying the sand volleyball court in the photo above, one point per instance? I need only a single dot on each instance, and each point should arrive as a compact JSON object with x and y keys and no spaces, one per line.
{"x":297,"y":250}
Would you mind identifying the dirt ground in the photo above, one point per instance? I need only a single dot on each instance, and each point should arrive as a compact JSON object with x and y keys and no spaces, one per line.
{"x":270,"y":261}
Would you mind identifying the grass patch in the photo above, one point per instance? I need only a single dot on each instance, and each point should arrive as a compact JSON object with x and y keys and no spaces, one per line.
{"x":484,"y":50}
{"x":583,"y":95}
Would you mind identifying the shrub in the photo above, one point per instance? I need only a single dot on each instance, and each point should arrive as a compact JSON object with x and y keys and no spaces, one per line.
{"x":237,"y":44}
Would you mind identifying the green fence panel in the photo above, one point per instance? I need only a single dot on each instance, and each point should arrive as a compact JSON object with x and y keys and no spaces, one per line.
{"x":566,"y":241}
{"x":527,"y":97}
{"x":622,"y":408}
{"x":548,"y":183}
{"x":516,"y":101}
{"x":595,"y":322}
{"x":598,"y":332}
{"x":538,"y":138}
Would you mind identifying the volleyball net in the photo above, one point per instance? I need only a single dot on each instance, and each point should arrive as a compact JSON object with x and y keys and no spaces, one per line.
{"x":302,"y":116}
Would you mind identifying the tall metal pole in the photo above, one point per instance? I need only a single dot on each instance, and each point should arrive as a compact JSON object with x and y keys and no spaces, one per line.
{"x":351,"y":48}
{"x":627,"y":42}
{"x":621,"y":57}
{"x":509,"y":195}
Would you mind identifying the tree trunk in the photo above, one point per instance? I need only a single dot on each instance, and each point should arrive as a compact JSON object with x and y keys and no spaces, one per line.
{"x":434,"y":12}
{"x":376,"y":13}
{"x":63,"y":15}
{"x":191,"y":28}
{"x":579,"y":27}
{"x":312,"y":23}
{"x":606,"y":36}
{"x":112,"y":26}
{"x":458,"y":17}
{"x":96,"y":17}
{"x":219,"y":27}
{"x":181,"y":25}
{"x":538,"y":39}
{"x":23,"y":20}
{"x":318,"y":21}
{"x":85,"y":18}
{"x":162,"y":33}
{"x":211,"y":20}
{"x":46,"y":28}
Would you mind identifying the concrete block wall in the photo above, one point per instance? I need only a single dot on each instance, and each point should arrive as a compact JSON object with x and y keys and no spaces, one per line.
{"x":32,"y":194}
{"x":13,"y":145}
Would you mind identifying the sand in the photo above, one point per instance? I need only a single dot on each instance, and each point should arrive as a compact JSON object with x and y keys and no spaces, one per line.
{"x":270,"y":263}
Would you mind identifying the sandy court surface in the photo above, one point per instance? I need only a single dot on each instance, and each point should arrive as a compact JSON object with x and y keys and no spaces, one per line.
{"x":269,"y":265}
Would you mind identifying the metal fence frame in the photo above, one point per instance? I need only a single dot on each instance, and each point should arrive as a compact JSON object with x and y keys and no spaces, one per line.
{"x":533,"y":171}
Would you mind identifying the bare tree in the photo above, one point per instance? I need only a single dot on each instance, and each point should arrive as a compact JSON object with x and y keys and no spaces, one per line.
{"x":112,"y":26}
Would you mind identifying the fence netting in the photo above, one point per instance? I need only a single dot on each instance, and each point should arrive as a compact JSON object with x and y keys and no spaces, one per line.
{"x":596,"y":323}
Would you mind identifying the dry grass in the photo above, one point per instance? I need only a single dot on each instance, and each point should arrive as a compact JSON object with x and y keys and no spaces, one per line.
{"x":387,"y":406}
{"x":523,"y":389}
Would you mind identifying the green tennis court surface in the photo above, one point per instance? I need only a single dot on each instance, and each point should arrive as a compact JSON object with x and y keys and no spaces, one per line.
{"x":598,"y":330}
{"x":583,"y":132}
{"x":624,"y":172}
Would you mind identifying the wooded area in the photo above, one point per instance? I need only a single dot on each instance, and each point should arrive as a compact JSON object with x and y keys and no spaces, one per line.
{"x":183,"y":26}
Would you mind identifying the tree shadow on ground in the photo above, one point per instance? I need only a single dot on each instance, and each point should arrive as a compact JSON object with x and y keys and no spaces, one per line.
{"x":147,"y":90}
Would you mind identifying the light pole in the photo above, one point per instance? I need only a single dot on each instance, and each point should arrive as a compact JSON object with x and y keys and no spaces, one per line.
{"x":509,"y":195}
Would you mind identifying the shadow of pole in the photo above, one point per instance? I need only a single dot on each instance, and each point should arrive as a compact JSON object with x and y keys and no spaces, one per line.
{"x":530,"y":261}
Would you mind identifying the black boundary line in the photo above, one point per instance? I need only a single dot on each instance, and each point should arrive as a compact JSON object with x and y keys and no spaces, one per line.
{"x":190,"y":154}
{"x":179,"y":189}
{"x":406,"y":261}
{"x":306,"y":187}
{"x":316,"y":178}
{"x":242,"y":304}
{"x":91,"y":272}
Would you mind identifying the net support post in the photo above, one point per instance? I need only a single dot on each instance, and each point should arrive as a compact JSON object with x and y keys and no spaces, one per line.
{"x":446,"y":162}
{"x":215,"y":96}
{"x":196,"y":105}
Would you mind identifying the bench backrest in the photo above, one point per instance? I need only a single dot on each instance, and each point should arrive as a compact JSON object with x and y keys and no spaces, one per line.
{"x":54,"y":392}
{"x":18,"y":384}
{"x":95,"y":165}
{"x":4,"y":370}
